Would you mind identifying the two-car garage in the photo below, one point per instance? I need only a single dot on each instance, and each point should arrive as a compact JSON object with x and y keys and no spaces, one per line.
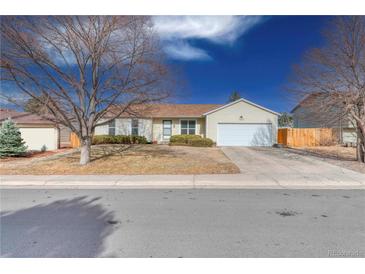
{"x":244,"y":134}
{"x":242,"y":123}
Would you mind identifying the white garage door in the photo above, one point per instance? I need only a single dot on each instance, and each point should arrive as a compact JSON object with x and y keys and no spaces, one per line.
{"x":244,"y":135}
{"x":38,"y":138}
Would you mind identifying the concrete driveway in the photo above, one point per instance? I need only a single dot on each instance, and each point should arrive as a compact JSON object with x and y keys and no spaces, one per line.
{"x":283,"y":167}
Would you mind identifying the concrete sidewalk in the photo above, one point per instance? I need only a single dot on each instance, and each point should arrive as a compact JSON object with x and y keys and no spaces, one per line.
{"x":260,"y":181}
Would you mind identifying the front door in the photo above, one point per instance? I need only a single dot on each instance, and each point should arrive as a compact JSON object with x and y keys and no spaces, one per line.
{"x":166,"y":129}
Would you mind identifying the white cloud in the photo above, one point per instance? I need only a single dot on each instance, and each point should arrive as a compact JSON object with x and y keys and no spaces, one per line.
{"x":176,"y":30}
{"x":184,"y":51}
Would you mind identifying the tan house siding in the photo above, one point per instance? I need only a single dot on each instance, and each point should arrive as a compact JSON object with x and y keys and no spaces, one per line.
{"x":157,"y":127}
{"x":201,"y":126}
{"x":233,"y":113}
{"x":145,"y":128}
{"x":206,"y":126}
{"x":123,"y":126}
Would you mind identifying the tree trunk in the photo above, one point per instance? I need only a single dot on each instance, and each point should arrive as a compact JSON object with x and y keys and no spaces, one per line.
{"x":361,"y":151}
{"x":360,"y":148}
{"x":85,"y":151}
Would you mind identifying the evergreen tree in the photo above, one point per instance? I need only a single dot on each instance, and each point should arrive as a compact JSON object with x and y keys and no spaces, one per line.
{"x":37,"y":106}
{"x":11,"y":142}
{"x":234,"y":96}
{"x":285,"y":120}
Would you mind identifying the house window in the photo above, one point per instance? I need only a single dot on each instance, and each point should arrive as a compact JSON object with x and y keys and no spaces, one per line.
{"x":188,"y":127}
{"x":111,"y":126}
{"x":135,"y":127}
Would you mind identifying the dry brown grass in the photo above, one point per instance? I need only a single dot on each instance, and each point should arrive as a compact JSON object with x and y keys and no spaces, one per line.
{"x":338,"y":155}
{"x":33,"y":155}
{"x":334,"y":152}
{"x":135,"y":159}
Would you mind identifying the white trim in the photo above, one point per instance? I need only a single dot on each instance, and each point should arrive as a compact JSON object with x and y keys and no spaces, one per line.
{"x":187,"y":119}
{"x":242,"y":100}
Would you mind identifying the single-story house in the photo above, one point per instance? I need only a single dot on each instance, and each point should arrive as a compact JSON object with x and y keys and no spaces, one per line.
{"x":37,"y":133}
{"x":312,"y":112}
{"x":240,"y":123}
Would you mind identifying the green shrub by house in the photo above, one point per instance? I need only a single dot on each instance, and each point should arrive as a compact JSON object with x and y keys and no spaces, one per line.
{"x":183,"y":139}
{"x":203,"y":142}
{"x":118,"y":139}
{"x":191,"y":140}
{"x":11,"y":142}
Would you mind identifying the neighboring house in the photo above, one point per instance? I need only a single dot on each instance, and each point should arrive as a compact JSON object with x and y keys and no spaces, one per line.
{"x":240,"y":123}
{"x":311,"y":112}
{"x":38,"y":133}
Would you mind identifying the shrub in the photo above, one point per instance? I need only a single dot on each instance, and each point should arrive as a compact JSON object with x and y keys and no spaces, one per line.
{"x":191,"y":140}
{"x":118,"y":139}
{"x":11,"y":142}
{"x":203,"y":142}
{"x":183,"y":139}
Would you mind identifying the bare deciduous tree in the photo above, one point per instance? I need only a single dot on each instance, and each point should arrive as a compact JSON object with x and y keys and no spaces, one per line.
{"x":335,"y":74}
{"x":84,"y":66}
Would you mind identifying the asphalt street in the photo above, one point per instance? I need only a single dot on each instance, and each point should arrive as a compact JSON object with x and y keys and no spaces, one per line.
{"x":182,"y":223}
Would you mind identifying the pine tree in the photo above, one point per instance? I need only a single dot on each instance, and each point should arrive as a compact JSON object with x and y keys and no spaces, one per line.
{"x":37,"y":106}
{"x":285,"y":120}
{"x":234,"y":96}
{"x":11,"y":142}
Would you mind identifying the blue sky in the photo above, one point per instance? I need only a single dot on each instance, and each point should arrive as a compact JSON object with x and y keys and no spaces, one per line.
{"x":253,"y":55}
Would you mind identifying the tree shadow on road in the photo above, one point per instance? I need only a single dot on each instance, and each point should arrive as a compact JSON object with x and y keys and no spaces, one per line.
{"x":65,"y":228}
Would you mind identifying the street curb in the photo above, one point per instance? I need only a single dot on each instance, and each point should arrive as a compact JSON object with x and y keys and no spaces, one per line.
{"x":3,"y":187}
{"x":219,"y":181}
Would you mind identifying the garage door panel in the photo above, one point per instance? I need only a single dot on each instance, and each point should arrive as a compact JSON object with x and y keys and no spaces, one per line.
{"x":40,"y":138}
{"x":244,"y":135}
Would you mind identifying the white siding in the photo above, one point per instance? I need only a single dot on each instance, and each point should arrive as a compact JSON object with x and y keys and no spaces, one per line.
{"x":123,"y":126}
{"x":349,"y":135}
{"x":101,"y":129}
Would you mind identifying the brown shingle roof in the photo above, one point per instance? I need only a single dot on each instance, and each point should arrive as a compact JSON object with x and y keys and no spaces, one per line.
{"x":22,"y":117}
{"x":166,"y":110}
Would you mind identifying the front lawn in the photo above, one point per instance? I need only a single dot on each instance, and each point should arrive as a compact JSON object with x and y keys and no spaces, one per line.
{"x":131,"y":159}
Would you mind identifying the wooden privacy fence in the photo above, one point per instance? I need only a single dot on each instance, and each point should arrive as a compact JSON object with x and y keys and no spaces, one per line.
{"x":74,"y":140}
{"x":305,"y":137}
